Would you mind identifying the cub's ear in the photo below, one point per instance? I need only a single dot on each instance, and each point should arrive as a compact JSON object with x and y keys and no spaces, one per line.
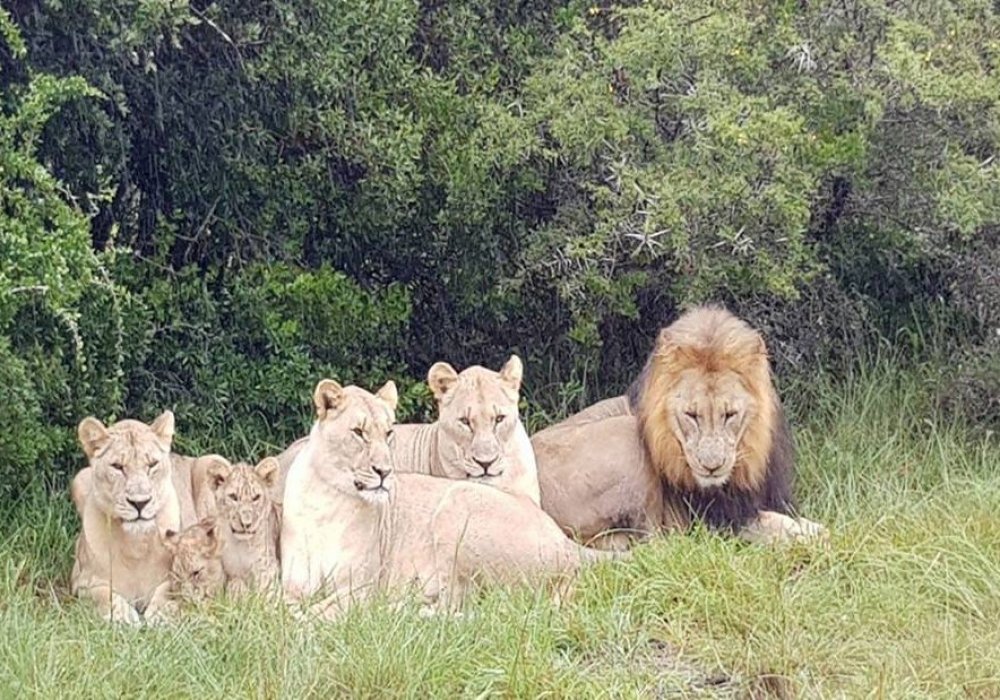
{"x":268,"y":471}
{"x":512,"y":372}
{"x":389,"y":394}
{"x":327,"y":396}
{"x":93,"y":435}
{"x":163,"y":426}
{"x":171,"y":540}
{"x":218,"y":471}
{"x":441,"y":377}
{"x":211,"y":530}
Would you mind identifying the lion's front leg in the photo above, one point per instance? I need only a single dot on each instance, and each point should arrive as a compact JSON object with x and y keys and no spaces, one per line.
{"x":161,"y":609}
{"x":770,"y":528}
{"x":110,"y":605}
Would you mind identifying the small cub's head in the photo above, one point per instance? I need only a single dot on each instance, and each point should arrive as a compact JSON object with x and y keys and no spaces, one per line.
{"x":132,"y":470}
{"x":351,"y":437}
{"x":243,"y":494}
{"x":477,"y":415}
{"x":196,"y":570}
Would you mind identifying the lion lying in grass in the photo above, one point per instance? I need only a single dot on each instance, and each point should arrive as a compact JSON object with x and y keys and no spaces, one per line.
{"x":127,"y":503}
{"x":700,"y":437}
{"x":352,"y":526}
{"x":196,"y":573}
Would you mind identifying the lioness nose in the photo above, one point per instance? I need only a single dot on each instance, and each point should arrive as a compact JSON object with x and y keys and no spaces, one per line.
{"x":484,"y":463}
{"x":382,"y":471}
{"x":139,"y":504}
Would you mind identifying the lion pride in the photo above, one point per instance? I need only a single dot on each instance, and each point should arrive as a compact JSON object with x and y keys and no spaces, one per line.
{"x":701,"y":436}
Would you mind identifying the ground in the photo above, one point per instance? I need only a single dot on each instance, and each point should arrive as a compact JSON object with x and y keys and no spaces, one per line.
{"x":904,"y":601}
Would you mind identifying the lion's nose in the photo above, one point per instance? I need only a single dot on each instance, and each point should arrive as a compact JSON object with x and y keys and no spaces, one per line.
{"x":138,"y":504}
{"x":382,"y":471}
{"x":485,"y":464}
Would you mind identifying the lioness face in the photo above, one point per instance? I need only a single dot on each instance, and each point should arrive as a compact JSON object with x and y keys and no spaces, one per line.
{"x":196,"y":572}
{"x":355,"y":428}
{"x":132,"y":470}
{"x":477,"y":415}
{"x":243,"y":494}
{"x":708,"y":415}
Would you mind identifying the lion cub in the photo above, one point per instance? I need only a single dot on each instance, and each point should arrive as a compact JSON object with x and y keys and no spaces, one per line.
{"x":248,"y":521}
{"x":196,"y":573}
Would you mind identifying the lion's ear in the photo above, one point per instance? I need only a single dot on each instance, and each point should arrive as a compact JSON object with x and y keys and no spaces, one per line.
{"x":327,"y":397}
{"x":171,"y":540}
{"x":211,"y":530}
{"x":163,"y":426}
{"x":512,"y":372}
{"x":441,"y":377}
{"x":93,"y":435}
{"x":268,"y":471}
{"x":389,"y":394}
{"x":218,"y":471}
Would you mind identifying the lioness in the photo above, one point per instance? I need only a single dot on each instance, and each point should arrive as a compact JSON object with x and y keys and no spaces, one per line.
{"x":196,"y":573}
{"x":477,"y":436}
{"x":247,"y":520}
{"x":353,"y":525}
{"x":127,"y":505}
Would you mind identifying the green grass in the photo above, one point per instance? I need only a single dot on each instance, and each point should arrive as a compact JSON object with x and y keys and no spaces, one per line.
{"x":904,"y":601}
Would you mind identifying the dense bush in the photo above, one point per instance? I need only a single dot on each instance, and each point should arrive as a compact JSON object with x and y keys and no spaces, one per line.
{"x":207,"y":205}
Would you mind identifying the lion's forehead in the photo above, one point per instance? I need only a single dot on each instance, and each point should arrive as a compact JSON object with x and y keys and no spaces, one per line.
{"x":480,"y":390}
{"x":712,"y":387}
{"x":244,"y":481}
{"x":131,"y":446}
{"x":368,"y":411}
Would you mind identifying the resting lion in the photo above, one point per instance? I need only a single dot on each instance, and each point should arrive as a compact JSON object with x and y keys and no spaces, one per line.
{"x":478,"y":435}
{"x":196,"y":573}
{"x":352,"y":526}
{"x":239,"y":498}
{"x":701,"y":436}
{"x":127,"y":502}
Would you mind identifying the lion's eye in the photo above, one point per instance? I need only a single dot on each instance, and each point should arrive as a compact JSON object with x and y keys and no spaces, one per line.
{"x":499,"y":418}
{"x":256,"y":497}
{"x":692,"y":415}
{"x":464,"y":421}
{"x":196,"y":573}
{"x":119,"y":466}
{"x":359,"y":432}
{"x":730,"y":414}
{"x":233,"y":497}
{"x":152,"y":465}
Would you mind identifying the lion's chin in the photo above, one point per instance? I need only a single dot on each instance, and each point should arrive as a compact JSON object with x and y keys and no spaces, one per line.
{"x":711,"y":481}
{"x":139,"y":526}
{"x":376,"y":495}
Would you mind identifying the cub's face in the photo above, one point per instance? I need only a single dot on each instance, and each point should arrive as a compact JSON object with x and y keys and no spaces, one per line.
{"x":243,"y":495}
{"x":354,"y":428}
{"x":132,"y":469}
{"x":196,"y":569}
{"x":709,"y":414}
{"x":477,"y":418}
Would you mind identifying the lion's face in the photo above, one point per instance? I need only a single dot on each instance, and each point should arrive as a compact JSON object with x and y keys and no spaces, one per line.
{"x":196,"y":570}
{"x":477,"y":417}
{"x":132,"y":470}
{"x":354,"y":428}
{"x":243,"y":494}
{"x":708,"y":414}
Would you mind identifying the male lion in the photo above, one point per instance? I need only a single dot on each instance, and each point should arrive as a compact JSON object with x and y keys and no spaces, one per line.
{"x":354,"y":526}
{"x":196,"y":573}
{"x":247,"y":519}
{"x":127,"y":505}
{"x":701,"y":436}
{"x":477,"y":436}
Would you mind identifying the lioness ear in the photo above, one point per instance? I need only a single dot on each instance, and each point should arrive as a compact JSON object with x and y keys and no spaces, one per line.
{"x":389,"y":394}
{"x":93,"y":435}
{"x":170,"y":540}
{"x":163,"y":426}
{"x":268,"y":470}
{"x":326,"y":397}
{"x":218,"y":471}
{"x":512,"y":372}
{"x":441,"y":377}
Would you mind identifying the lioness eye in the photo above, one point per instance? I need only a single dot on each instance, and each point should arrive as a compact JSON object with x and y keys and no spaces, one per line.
{"x":233,"y":497}
{"x":256,"y":497}
{"x":196,"y":573}
{"x":499,"y":418}
{"x":117,"y":465}
{"x":152,"y":465}
{"x":359,"y":432}
{"x":730,"y":414}
{"x":692,"y":415}
{"x":464,"y":421}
